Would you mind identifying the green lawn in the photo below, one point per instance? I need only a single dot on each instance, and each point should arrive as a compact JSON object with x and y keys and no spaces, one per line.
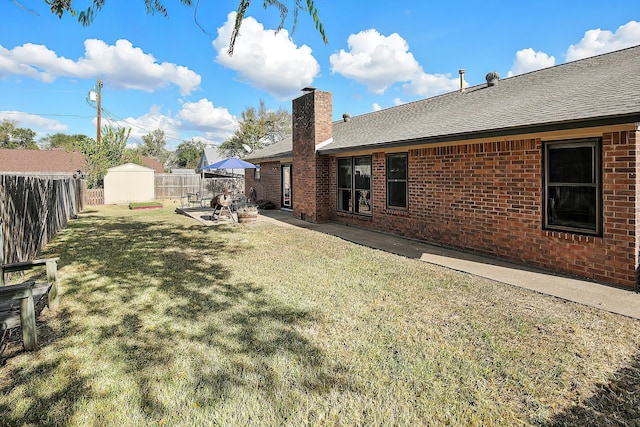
{"x":165,"y":322}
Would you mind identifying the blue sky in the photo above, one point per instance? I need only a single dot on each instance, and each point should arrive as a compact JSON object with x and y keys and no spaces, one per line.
{"x":169,"y":74}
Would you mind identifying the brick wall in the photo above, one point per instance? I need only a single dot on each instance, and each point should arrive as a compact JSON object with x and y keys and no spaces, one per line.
{"x":269,"y":185}
{"x":312,"y":125}
{"x":487,"y":197}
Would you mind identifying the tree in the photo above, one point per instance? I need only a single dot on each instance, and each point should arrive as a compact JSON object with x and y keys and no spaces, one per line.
{"x":154,"y":146}
{"x":257,"y":128}
{"x":64,"y":141}
{"x":15,"y":137}
{"x":85,"y":17}
{"x":101,"y":156}
{"x":188,"y":154}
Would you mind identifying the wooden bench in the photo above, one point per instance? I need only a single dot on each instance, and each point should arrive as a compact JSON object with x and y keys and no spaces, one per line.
{"x":28,"y":294}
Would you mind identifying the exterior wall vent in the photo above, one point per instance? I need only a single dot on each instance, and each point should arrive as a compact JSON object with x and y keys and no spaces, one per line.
{"x":492,"y":78}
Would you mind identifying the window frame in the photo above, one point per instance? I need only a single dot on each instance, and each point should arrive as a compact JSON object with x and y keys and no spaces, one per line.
{"x":389,"y":181}
{"x":596,"y":145}
{"x":354,"y":188}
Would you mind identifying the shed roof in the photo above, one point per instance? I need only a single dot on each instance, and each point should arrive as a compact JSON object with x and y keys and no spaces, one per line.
{"x":600,"y":90}
{"x":130,"y":167}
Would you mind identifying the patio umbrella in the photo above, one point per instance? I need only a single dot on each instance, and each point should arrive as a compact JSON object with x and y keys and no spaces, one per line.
{"x":231,"y":163}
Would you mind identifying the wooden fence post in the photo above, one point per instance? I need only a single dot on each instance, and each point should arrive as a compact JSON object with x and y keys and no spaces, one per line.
{"x":52,"y":277}
{"x":1,"y":252}
{"x":28,"y":322}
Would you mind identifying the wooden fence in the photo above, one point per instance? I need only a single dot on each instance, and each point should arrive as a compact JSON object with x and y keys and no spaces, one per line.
{"x":94,"y":196}
{"x":32,"y":211}
{"x":172,"y":186}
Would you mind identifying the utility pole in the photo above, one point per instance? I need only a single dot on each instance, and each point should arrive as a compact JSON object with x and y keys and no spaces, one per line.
{"x":99,"y":102}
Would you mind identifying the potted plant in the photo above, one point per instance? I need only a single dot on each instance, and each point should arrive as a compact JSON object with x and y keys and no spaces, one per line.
{"x":247,"y":213}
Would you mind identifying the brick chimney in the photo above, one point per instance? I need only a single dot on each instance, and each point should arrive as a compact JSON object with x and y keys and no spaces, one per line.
{"x":312,"y":125}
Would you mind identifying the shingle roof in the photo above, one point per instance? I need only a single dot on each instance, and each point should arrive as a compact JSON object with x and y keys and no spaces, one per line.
{"x":283,"y":148}
{"x":16,"y":160}
{"x":600,"y":90}
{"x":152,"y":163}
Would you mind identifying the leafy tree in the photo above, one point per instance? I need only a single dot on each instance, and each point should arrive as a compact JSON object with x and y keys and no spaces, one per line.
{"x":85,"y":17}
{"x":257,"y":128}
{"x":62,"y":140}
{"x":154,"y":146}
{"x":15,"y":137}
{"x":188,"y":154}
{"x":101,"y":156}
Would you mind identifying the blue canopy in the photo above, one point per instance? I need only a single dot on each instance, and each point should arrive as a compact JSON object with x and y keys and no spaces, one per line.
{"x":232,"y":163}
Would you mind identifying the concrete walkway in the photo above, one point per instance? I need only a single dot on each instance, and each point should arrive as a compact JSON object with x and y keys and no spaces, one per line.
{"x":620,"y":301}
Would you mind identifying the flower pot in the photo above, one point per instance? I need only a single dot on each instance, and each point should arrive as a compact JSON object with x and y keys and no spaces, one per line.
{"x":247,"y":217}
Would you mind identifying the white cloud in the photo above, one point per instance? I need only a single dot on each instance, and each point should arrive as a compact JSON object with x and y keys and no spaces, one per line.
{"x":201,"y":119}
{"x":529,"y":60}
{"x":379,"y":61}
{"x":597,"y":41}
{"x":376,"y":107}
{"x":203,"y":116}
{"x":149,"y":122}
{"x":425,"y":84}
{"x":265,"y":59}
{"x":375,"y":60}
{"x":32,"y":121}
{"x":122,"y":64}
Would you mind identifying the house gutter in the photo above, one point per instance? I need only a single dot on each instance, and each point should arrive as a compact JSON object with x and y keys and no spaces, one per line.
{"x":275,"y":157}
{"x":495,"y":133}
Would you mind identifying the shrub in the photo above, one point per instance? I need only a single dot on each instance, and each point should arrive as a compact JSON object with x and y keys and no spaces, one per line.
{"x":265,"y":204}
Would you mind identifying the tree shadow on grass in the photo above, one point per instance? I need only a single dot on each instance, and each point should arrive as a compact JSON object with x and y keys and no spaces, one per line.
{"x":140,"y":295}
{"x":616,"y":403}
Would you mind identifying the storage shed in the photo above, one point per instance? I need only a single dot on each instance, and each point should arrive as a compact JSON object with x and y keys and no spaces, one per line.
{"x":129,"y":183}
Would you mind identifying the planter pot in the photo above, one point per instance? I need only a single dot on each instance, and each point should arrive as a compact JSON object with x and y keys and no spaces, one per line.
{"x":247,"y":217}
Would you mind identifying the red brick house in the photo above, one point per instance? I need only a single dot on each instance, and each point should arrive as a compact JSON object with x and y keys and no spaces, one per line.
{"x":540,"y":169}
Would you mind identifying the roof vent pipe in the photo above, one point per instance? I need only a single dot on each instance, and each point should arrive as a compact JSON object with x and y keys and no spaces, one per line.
{"x":461,"y":72}
{"x":492,"y":78}
{"x":346,"y":117}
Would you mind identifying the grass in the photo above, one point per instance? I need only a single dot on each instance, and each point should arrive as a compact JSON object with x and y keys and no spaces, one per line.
{"x":167,"y":322}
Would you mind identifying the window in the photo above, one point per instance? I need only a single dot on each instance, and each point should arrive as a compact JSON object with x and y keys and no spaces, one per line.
{"x":573,"y":191}
{"x":397,"y":189}
{"x":354,"y":185}
{"x":256,"y":173}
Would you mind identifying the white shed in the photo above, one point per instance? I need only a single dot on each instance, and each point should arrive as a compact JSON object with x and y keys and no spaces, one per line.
{"x":129,"y":183}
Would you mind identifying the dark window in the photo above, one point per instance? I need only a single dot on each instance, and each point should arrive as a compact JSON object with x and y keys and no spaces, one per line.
{"x":397,"y":191}
{"x":572,"y":186}
{"x":354,"y":185}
